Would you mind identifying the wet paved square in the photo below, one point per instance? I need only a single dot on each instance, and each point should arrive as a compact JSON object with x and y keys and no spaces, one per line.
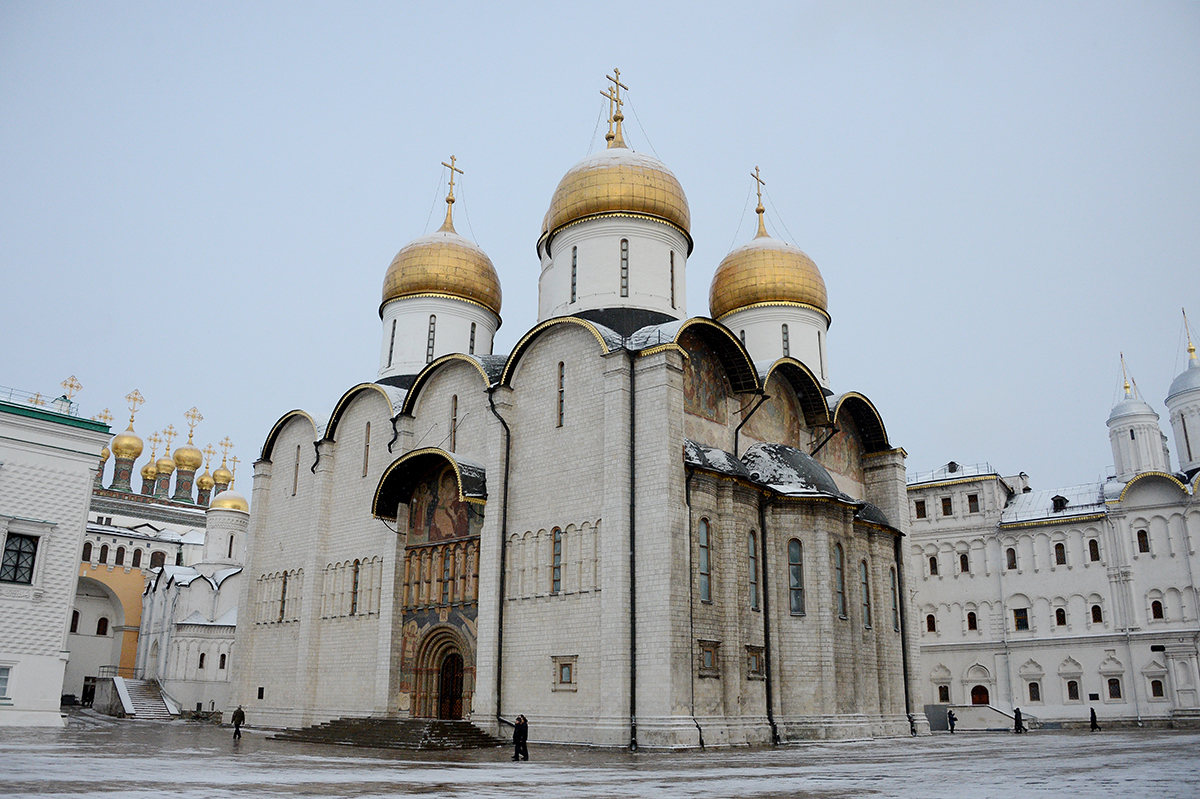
{"x":97,"y":756}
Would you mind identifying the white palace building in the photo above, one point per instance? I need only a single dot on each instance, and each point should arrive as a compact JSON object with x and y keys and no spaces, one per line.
{"x":1064,"y":601}
{"x":636,"y":528}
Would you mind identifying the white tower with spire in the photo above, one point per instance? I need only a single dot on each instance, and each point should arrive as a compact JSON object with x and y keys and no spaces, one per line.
{"x":1138,"y":443}
{"x":1183,"y":404}
{"x":441,"y":295}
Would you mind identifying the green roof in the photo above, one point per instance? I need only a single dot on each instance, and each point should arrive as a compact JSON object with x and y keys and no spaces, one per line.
{"x":52,"y":416}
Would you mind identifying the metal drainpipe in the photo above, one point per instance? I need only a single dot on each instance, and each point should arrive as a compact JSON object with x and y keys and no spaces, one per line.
{"x":766,"y":611}
{"x":687,"y":493}
{"x":738,"y":429}
{"x":632,"y":564}
{"x":898,"y":550}
{"x":503,"y":554}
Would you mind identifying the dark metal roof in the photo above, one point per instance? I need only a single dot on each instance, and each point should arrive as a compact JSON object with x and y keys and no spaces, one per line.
{"x":787,"y":468}
{"x":872,"y":513}
{"x":713,"y":459}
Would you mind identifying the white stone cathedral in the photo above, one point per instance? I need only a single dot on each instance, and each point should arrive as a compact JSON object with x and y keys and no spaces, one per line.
{"x":637,"y":528}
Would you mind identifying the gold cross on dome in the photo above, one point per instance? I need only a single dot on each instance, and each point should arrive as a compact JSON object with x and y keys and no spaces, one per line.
{"x":452,"y":169}
{"x":225,"y":444}
{"x":36,"y":399}
{"x":233,"y":469}
{"x":169,"y":434}
{"x":71,"y":385}
{"x":760,"y":182}
{"x":194,"y":418}
{"x":617,"y":138}
{"x":208,"y":455}
{"x":104,"y":416}
{"x":762,"y":226}
{"x":155,"y":439}
{"x":134,"y":398}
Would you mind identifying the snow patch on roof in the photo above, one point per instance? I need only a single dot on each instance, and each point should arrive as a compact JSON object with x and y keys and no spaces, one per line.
{"x":713,"y":459}
{"x":1082,"y":500}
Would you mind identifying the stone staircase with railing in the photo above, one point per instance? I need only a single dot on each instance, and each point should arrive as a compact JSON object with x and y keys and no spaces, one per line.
{"x":383,"y":733}
{"x":147,"y":701}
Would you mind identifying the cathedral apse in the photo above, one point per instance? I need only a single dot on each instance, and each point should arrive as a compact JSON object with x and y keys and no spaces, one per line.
{"x":440,"y":599}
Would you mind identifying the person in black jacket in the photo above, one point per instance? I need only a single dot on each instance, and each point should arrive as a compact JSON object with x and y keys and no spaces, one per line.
{"x":520,"y":739}
{"x":951,"y":719}
{"x":239,"y":718}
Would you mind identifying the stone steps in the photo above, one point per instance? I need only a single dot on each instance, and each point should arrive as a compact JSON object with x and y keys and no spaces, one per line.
{"x":147,"y":701}
{"x":384,"y":733}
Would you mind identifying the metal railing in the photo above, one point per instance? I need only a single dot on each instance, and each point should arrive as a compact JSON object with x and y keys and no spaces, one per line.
{"x":61,"y":404}
{"x":127,"y":672}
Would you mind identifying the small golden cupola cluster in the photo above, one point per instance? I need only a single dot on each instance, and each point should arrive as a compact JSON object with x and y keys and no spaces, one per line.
{"x":772,"y":296}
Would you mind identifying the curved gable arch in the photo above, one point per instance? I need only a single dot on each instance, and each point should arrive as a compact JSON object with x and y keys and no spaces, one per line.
{"x":528,"y":339}
{"x":866,"y":418}
{"x":1170,"y":478}
{"x":398,"y":481}
{"x":273,"y":436}
{"x":743,"y":377}
{"x":808,"y":390}
{"x":343,"y":404}
{"x":426,"y":374}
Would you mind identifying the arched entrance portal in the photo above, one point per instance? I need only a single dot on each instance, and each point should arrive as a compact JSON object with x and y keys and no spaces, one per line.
{"x":979,"y":695}
{"x":450,"y":685}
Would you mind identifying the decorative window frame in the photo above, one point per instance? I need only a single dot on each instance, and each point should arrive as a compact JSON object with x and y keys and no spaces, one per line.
{"x":559,"y":664}
{"x":41,"y":531}
{"x":756,"y":655}
{"x":1156,"y":671}
{"x":710,"y":666}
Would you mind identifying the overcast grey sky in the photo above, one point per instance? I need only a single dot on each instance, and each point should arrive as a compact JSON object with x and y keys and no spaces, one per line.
{"x":200,"y":200}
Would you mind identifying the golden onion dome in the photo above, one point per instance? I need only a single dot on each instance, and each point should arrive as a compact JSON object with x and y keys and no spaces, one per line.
{"x":618,"y":181}
{"x":188,"y":457}
{"x":230,"y":500}
{"x":149,"y":471}
{"x":104,"y":455}
{"x":766,"y":271}
{"x":443,"y":263}
{"x":205,"y":481}
{"x":127,"y":445}
{"x":222,"y":476}
{"x":165,"y":464}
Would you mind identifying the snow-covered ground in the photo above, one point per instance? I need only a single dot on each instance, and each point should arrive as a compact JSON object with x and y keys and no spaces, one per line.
{"x":96,"y":756}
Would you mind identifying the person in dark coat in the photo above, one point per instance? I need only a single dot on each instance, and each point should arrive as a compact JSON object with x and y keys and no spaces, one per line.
{"x":1018,"y":725}
{"x":951,"y":719}
{"x":521,"y":739}
{"x":238,"y":719}
{"x":1095,"y":724}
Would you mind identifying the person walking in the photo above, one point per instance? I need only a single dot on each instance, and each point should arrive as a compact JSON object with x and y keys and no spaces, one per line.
{"x":238,"y":719}
{"x":1095,"y":724}
{"x":1018,"y":725}
{"x":951,"y":719}
{"x":521,"y":739}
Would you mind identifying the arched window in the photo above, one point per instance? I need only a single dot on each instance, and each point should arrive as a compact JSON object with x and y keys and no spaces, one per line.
{"x":296,"y":472}
{"x":786,"y":343}
{"x":933,"y":569}
{"x":1060,"y":617}
{"x":866,"y":593}
{"x":471,"y":344}
{"x":964,"y":563}
{"x":104,"y":553}
{"x":1156,"y":609}
{"x":447,"y":571}
{"x":221,"y":664}
{"x":157,"y":559}
{"x":796,"y":577}
{"x":367,"y":448}
{"x":283,"y":596}
{"x":895,"y":601}
{"x":930,"y":624}
{"x":672,"y":278}
{"x":119,"y":560}
{"x":624,"y":267}
{"x":752,"y":553}
{"x":1010,"y":556}
{"x":229,"y":554}
{"x":556,"y":565}
{"x":137,"y":558}
{"x":944,"y":694}
{"x":742,"y":336}
{"x":972,"y":621}
{"x":574,"y":273}
{"x":453,"y":422}
{"x":1097,"y":615}
{"x":354,"y":589}
{"x":839,"y":579}
{"x":1060,"y":554}
{"x":1035,"y":692}
{"x":87,"y":551}
{"x":705,"y":572}
{"x":179,"y":558}
{"x":1156,"y":689}
{"x":1073,"y":690}
{"x":1143,"y":541}
{"x":429,"y":341}
{"x":392,"y":343}
{"x":1114,"y":688}
{"x":562,"y":383}
{"x":201,"y":660}
{"x":74,"y":621}
{"x":1094,"y":550}
{"x":102,"y":626}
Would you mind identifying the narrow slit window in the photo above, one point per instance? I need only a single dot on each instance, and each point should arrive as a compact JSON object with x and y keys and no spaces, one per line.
{"x":283,"y":596}
{"x":429,"y":342}
{"x":796,"y":577}
{"x":786,"y":344}
{"x":453,"y":422}
{"x":1060,"y":555}
{"x":964,"y":563}
{"x":354,"y":588}
{"x":972,"y":621}
{"x":392,"y":343}
{"x":366,"y":448}
{"x":742,"y":336}
{"x":119,"y":560}
{"x":574,"y":273}
{"x":752,"y":555}
{"x":705,"y":574}
{"x":1094,"y":550}
{"x":864,"y":574}
{"x":672,"y":278}
{"x":471,"y":345}
{"x":624,"y":267}
{"x":839,"y":572}
{"x":933,"y":566}
{"x":562,"y":381}
{"x":296,"y":472}
{"x":556,"y":565}
{"x":230,"y":553}
{"x":1010,"y":556}
{"x":895,"y":602}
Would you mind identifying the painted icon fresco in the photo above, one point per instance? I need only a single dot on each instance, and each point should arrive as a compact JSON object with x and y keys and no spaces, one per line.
{"x":704,"y":386}
{"x":435,"y":513}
